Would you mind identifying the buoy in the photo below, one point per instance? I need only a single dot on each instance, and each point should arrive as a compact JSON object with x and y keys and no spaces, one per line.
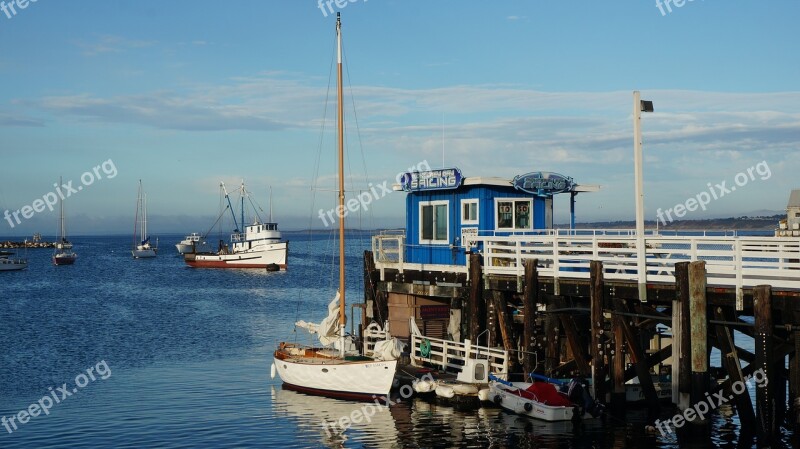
{"x":445,"y":391}
{"x":483,"y":394}
{"x":273,"y":267}
{"x":465,"y":389}
{"x":272,"y":371}
{"x":425,"y":386}
{"x":528,"y":407}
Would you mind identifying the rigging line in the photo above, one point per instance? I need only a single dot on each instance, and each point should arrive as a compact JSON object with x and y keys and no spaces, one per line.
{"x":215,"y":223}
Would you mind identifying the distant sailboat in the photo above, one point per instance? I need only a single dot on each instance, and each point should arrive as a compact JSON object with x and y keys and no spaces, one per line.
{"x":141,"y":242}
{"x":63,"y":254}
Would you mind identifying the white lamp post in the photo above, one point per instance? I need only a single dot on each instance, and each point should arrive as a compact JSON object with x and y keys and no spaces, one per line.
{"x":640,"y":106}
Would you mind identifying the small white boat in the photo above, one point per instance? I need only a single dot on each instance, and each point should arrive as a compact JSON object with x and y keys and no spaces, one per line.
{"x":9,"y":264}
{"x":188,"y":244}
{"x":541,"y":400}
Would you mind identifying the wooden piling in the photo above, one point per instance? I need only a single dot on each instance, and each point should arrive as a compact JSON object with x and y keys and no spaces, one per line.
{"x":698,"y":317}
{"x":504,"y":323}
{"x":637,"y":356}
{"x":599,"y":365}
{"x":618,"y":362}
{"x":765,"y":400}
{"x":733,"y":366}
{"x":529,"y":300}
{"x":477,"y":310}
{"x":553,"y":350}
{"x":683,"y":339}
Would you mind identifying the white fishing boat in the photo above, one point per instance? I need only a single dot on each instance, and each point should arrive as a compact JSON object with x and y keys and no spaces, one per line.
{"x":258,"y":246}
{"x":189,"y":243}
{"x":63,"y":254}
{"x":542,"y":400}
{"x":338,"y":372}
{"x":142,"y":249}
{"x":9,"y":263}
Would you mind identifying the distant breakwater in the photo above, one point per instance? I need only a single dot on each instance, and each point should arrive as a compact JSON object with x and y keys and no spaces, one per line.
{"x":10,"y":244}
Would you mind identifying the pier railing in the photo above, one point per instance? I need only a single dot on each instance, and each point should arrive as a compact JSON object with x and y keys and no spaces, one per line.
{"x":731,"y":261}
{"x":450,"y":355}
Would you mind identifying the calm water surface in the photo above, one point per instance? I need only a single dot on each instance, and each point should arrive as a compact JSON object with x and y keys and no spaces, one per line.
{"x":189,"y":354}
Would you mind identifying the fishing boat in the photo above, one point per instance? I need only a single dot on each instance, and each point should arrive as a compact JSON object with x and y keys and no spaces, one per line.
{"x":338,"y":372}
{"x":188,"y":244}
{"x":63,"y":253}
{"x":542,"y":400}
{"x":258,"y":246}
{"x":8,"y":263}
{"x":141,"y":248}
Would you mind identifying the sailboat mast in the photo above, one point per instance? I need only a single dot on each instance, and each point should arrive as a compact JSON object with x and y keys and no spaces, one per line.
{"x":340,"y":101}
{"x":62,"y":229}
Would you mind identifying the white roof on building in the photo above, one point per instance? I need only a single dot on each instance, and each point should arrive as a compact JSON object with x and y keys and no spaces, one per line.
{"x":502,"y":182}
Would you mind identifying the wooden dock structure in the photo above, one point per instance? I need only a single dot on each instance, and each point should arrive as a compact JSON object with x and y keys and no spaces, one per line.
{"x":568,"y":303}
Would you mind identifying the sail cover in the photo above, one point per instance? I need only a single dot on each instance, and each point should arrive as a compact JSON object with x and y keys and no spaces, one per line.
{"x":328,"y":329}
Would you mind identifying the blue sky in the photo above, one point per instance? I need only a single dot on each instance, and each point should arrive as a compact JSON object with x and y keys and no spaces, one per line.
{"x":183,"y":94}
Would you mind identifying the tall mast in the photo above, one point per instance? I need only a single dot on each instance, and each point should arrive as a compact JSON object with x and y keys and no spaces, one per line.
{"x":340,"y":101}
{"x":62,"y":231}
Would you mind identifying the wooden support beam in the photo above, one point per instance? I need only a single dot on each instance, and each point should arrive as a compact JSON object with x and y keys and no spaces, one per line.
{"x":765,"y":399}
{"x":504,"y":323}
{"x":530,"y":298}
{"x":698,"y":313}
{"x":552,"y":357}
{"x":576,"y":344}
{"x":652,"y":360}
{"x":597,"y":325}
{"x":637,"y":356}
{"x":683,"y":372}
{"x":477,"y":309}
{"x":733,"y":366}
{"x":618,"y":369}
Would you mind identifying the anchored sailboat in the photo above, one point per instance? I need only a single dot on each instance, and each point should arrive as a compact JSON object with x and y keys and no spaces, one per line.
{"x":141,"y":242}
{"x":338,"y":372}
{"x":63,"y":254}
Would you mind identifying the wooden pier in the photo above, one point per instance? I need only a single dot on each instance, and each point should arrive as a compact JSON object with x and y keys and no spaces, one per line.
{"x":568,"y":304}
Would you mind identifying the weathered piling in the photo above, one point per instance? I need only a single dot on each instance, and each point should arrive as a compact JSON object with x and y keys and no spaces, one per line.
{"x":765,"y":400}
{"x":477,"y":309}
{"x":636,"y":353}
{"x":733,"y":366}
{"x":500,"y":306}
{"x":683,"y":339}
{"x":699,"y":329}
{"x":599,"y":365}
{"x":551,"y":332}
{"x":618,"y":362}
{"x":530,"y":298}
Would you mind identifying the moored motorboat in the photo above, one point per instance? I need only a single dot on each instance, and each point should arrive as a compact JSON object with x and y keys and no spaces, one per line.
{"x":188,"y":244}
{"x":542,"y":400}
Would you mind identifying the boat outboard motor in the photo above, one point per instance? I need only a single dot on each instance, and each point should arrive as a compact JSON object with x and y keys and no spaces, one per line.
{"x":578,"y":392}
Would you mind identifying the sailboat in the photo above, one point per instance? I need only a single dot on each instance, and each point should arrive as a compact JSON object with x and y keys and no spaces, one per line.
{"x":63,"y":254}
{"x":141,"y":242}
{"x":339,"y":372}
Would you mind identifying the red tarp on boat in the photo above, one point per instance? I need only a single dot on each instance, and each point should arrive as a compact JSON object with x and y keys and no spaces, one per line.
{"x":547,"y":394}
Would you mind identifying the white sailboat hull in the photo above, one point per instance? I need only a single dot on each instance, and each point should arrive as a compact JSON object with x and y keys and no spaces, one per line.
{"x":143,"y":253}
{"x":336,"y":378}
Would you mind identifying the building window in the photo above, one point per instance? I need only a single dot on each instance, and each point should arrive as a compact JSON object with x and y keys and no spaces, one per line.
{"x":434,"y":225}
{"x":469,"y":212}
{"x":514,"y":214}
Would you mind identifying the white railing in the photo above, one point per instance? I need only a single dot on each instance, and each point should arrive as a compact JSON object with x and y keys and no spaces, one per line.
{"x":730,"y":261}
{"x":450,"y":355}
{"x":373,"y":334}
{"x":389,"y":247}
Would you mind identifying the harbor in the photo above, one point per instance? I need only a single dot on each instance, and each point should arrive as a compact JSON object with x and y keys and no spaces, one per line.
{"x":352,"y":224}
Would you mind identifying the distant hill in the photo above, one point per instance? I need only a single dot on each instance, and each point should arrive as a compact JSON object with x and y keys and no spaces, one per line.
{"x":752,"y":223}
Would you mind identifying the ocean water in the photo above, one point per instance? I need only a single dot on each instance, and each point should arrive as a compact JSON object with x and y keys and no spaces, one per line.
{"x":156,"y":354}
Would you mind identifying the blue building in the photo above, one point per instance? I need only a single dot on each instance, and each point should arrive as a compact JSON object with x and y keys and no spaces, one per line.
{"x":444,"y":209}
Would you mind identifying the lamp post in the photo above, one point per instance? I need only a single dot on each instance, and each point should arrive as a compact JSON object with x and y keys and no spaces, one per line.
{"x":639,"y":106}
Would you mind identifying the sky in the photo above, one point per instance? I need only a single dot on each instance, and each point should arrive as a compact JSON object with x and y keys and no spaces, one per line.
{"x":185,"y":94}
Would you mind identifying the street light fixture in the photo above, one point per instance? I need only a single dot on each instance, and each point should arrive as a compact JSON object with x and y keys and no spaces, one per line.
{"x":640,"y":106}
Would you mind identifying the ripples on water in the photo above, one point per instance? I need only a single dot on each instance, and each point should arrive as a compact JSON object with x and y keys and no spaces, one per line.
{"x":190,"y":350}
